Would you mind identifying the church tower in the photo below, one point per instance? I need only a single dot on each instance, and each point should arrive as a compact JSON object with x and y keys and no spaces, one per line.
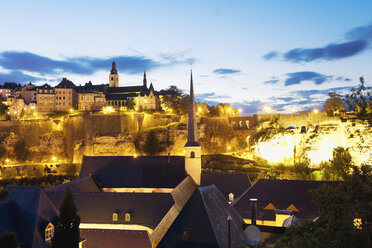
{"x":114,"y":77}
{"x":192,"y":147}
{"x":144,"y":79}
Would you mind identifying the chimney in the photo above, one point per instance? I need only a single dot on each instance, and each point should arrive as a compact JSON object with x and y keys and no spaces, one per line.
{"x":254,"y":210}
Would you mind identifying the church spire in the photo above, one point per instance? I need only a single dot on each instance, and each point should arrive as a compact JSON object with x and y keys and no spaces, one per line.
{"x":144,"y":79}
{"x":192,"y":135}
{"x":113,"y":68}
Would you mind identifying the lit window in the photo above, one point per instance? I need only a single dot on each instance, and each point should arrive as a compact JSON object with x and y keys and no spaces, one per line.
{"x":127,"y":217}
{"x":49,"y":232}
{"x":114,"y":217}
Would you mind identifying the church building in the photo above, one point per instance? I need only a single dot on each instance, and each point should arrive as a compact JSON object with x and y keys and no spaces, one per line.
{"x":139,"y":97}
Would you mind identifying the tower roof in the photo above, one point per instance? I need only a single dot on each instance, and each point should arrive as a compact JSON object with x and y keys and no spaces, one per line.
{"x":192,"y":129}
{"x":113,"y":69}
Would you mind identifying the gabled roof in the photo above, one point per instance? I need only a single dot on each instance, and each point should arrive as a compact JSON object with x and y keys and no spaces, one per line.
{"x":65,"y":83}
{"x":204,"y":219}
{"x":283,"y":194}
{"x":116,"y":238}
{"x":91,"y":87}
{"x":227,"y":183}
{"x":27,"y":211}
{"x":45,"y":86}
{"x":10,"y":85}
{"x":131,"y":172}
{"x":85,"y":184}
{"x":146,"y":209}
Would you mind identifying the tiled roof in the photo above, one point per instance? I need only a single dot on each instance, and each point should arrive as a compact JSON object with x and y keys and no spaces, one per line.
{"x":27,"y":211}
{"x":130,"y":172}
{"x":85,"y":184}
{"x":227,"y":183}
{"x":126,"y":89}
{"x":120,"y":96}
{"x":65,"y":83}
{"x":100,"y":238}
{"x":146,"y":209}
{"x":204,"y":220}
{"x":281,"y":194}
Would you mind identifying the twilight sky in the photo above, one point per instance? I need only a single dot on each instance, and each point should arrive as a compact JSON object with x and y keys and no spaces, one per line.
{"x":284,"y":54}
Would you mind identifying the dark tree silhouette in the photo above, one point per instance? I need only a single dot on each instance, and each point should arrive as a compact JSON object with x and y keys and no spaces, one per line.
{"x":8,"y":240}
{"x":67,"y":232}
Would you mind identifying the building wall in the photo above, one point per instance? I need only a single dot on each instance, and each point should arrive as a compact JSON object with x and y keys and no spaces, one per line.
{"x":45,"y":100}
{"x":5,"y":93}
{"x":65,"y":99}
{"x":114,"y":80}
{"x":91,"y":101}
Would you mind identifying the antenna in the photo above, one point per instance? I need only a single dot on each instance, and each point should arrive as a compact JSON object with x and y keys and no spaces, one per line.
{"x":252,"y":235}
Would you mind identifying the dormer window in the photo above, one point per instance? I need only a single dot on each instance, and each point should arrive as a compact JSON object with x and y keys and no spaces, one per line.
{"x":231,"y":197}
{"x":127,"y":217}
{"x":114,"y":217}
{"x":49,"y":232}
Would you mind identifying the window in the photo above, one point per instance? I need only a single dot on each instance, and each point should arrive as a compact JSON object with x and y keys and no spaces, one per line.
{"x":192,"y":154}
{"x":114,"y":217}
{"x":186,"y":235}
{"x":49,"y":232}
{"x":127,"y":217}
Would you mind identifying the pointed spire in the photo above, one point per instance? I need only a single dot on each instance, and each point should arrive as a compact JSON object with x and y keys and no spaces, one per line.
{"x":192,"y":134}
{"x":113,"y":68}
{"x":144,"y":79}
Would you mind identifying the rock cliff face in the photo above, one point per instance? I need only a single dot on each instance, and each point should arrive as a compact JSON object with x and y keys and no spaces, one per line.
{"x":71,"y":137}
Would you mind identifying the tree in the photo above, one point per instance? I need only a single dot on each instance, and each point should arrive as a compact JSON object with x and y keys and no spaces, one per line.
{"x":334,"y":105}
{"x":339,"y":166}
{"x":3,"y":107}
{"x":338,"y":206}
{"x":360,"y":100}
{"x":130,"y":104}
{"x":175,"y":100}
{"x":67,"y":232}
{"x":8,"y":240}
{"x":152,"y":145}
{"x":20,"y":150}
{"x":302,"y":170}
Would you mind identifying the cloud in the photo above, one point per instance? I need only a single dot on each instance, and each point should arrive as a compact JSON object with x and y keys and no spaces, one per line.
{"x":271,"y":55}
{"x":358,"y":40}
{"x":250,"y":107}
{"x":18,"y":76}
{"x":273,"y":81}
{"x":298,"y":77}
{"x":223,"y":71}
{"x":330,"y":52}
{"x":29,"y":62}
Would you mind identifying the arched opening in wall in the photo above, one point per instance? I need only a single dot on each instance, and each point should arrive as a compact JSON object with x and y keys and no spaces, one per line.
{"x":192,"y":154}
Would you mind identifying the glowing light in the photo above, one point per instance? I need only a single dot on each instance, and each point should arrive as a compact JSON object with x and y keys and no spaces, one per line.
{"x":240,"y":110}
{"x":108,"y":110}
{"x":267,"y":109}
{"x":71,"y":110}
{"x":32,"y":107}
{"x":54,"y":158}
{"x":228,"y":148}
{"x":229,"y":109}
{"x":114,"y":227}
{"x":315,"y":111}
{"x":136,"y":108}
{"x":7,"y":161}
{"x":145,"y":100}
{"x":200,"y":109}
{"x":135,"y":156}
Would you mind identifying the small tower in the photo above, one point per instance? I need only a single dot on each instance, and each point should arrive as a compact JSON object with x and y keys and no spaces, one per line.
{"x":114,"y":77}
{"x":192,"y":147}
{"x":144,"y":79}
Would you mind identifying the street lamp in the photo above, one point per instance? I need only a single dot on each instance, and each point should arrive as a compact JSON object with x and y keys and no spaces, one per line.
{"x":229,"y":219}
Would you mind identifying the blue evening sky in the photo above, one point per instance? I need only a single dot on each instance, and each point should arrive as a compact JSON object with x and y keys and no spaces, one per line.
{"x":286,"y":54}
